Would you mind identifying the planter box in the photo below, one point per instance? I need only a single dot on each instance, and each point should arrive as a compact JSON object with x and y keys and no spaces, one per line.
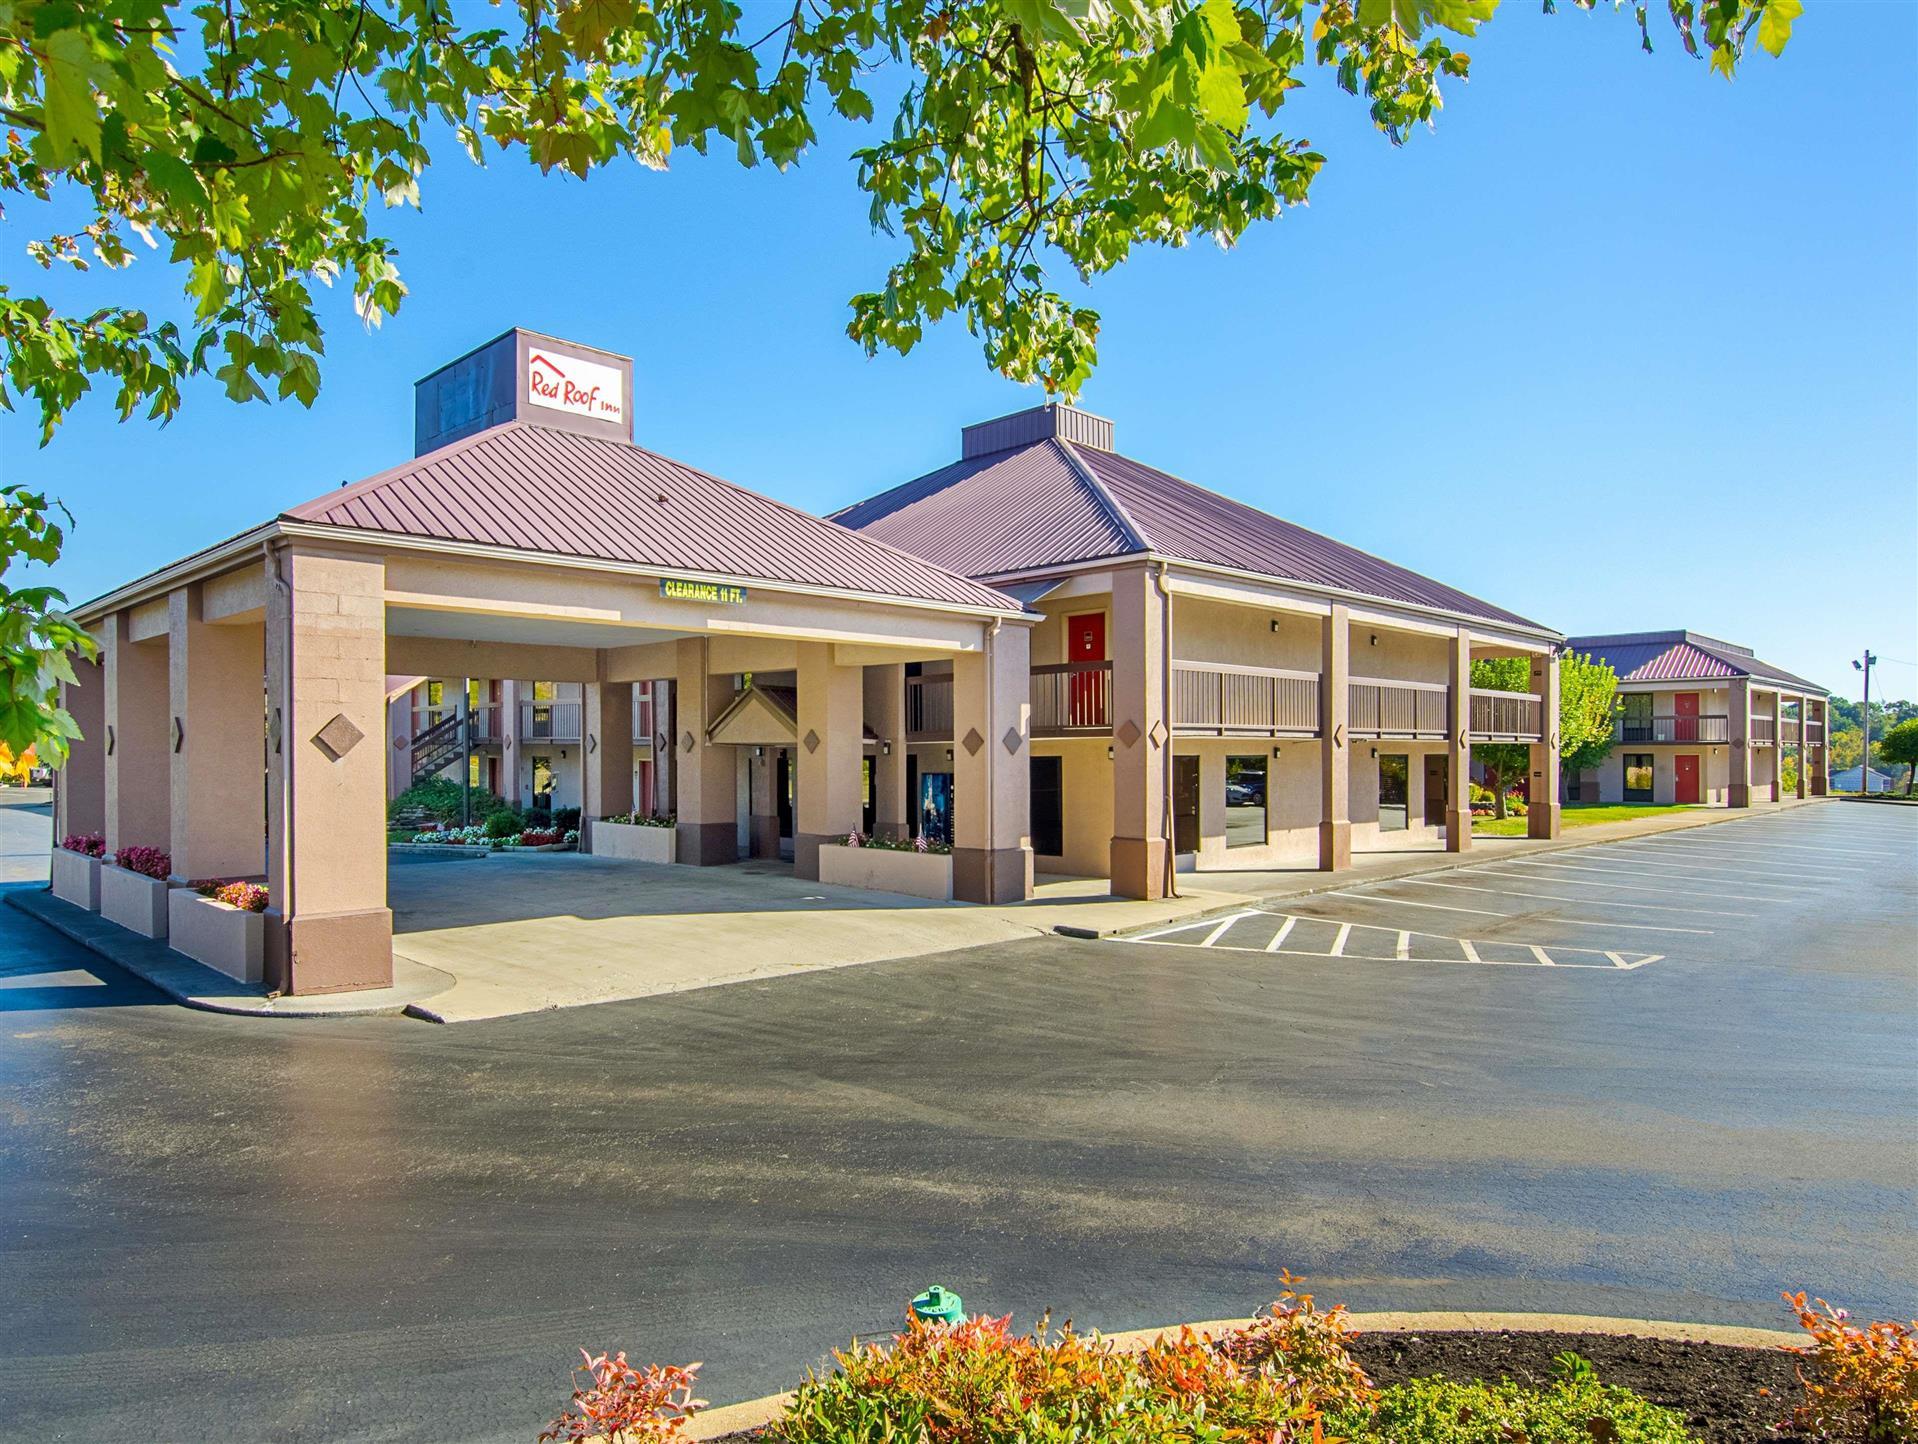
{"x":634,"y":842}
{"x":227,"y":939}
{"x":133,"y":900}
{"x":917,"y":874}
{"x":76,"y":879}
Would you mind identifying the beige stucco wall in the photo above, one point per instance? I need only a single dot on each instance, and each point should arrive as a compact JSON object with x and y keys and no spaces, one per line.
{"x":1208,"y":631}
{"x":1399,"y":656}
{"x":1085,"y":776}
{"x":1291,"y":801}
{"x":1364,"y":802}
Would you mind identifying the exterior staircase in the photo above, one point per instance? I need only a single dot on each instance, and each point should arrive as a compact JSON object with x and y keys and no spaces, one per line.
{"x":438,"y":745}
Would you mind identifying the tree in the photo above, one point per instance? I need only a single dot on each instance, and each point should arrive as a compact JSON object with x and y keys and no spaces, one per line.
{"x":1587,"y":704}
{"x":37,"y":639}
{"x":254,"y":145}
{"x":1900,"y":749}
{"x":1844,"y":747}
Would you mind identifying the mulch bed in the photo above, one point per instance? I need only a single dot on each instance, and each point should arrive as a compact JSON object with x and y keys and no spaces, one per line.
{"x":1727,"y":1395}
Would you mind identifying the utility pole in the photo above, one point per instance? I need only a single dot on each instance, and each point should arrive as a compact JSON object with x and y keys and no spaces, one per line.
{"x":1864,"y":771}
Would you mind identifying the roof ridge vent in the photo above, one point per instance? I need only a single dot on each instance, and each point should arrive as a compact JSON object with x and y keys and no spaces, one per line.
{"x":1022,"y":428}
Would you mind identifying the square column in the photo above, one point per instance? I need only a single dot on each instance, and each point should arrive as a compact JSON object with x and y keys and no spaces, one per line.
{"x":664,"y":752}
{"x":1738,"y":792}
{"x":1820,"y":770}
{"x":509,"y":739}
{"x":765,"y":813}
{"x":138,"y":695}
{"x":606,"y":751}
{"x":1140,"y":735}
{"x":218,"y":687}
{"x":1458,"y":746}
{"x":80,"y":798}
{"x":830,"y":749}
{"x":885,"y":708}
{"x":992,"y":769}
{"x":1804,"y":748}
{"x":707,"y":777}
{"x":1542,"y":807}
{"x":328,"y":927}
{"x":1335,"y":748}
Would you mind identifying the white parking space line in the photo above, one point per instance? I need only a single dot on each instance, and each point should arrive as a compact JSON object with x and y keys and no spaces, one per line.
{"x":1690,"y":890}
{"x":1471,"y":953}
{"x":1213,"y":936}
{"x":1560,"y":897}
{"x":1408,"y":903}
{"x":1768,"y":844}
{"x":1401,"y":902}
{"x":1278,"y":938}
{"x":1665,"y":864}
{"x":1404,"y":948}
{"x":1561,"y":880}
{"x":1338,"y":943}
{"x":1543,"y":956}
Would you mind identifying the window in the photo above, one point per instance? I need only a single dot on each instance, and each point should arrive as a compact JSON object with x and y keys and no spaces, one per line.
{"x":543,"y":781}
{"x":1048,"y":812}
{"x":473,"y":770}
{"x":1637,"y":717}
{"x":1395,"y":790}
{"x":544,"y":691}
{"x":1245,"y":802}
{"x":1638,"y":776}
{"x":435,"y":694}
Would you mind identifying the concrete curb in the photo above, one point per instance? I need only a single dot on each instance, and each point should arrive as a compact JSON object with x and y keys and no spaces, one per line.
{"x":194,"y":985}
{"x":1452,"y":862}
{"x":758,"y":1413}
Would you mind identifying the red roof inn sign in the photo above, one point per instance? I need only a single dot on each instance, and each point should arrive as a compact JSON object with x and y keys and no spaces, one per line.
{"x":573,"y":384}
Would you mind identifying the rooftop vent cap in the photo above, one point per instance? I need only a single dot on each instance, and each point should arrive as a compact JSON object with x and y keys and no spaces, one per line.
{"x":1022,"y":428}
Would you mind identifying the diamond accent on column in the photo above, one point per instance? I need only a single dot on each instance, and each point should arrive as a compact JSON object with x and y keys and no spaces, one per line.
{"x":1159,"y":734}
{"x":338,"y":737}
{"x":812,"y":741}
{"x":973,"y":742}
{"x":686,"y":742}
{"x":1012,"y":739}
{"x":1128,"y":734}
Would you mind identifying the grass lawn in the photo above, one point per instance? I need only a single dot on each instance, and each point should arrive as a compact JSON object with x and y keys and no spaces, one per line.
{"x":1578,"y":814}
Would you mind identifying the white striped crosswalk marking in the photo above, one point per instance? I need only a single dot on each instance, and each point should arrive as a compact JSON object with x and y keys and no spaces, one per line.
{"x":1212,"y":934}
{"x":1338,"y":943}
{"x":1471,"y":953}
{"x":1543,"y":956}
{"x":1404,"y":949}
{"x":1278,"y":938}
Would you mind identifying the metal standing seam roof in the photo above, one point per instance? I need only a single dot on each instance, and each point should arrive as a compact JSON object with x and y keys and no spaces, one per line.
{"x":1050,"y":503}
{"x":1681,"y":657}
{"x":532,"y":488}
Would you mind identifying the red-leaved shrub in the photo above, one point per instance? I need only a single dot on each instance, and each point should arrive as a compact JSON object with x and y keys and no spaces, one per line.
{"x":1303,"y":1347}
{"x":1860,"y":1383}
{"x":147,"y":861}
{"x":619,"y":1403}
{"x":87,"y":844}
{"x":248,"y":897}
{"x":540,"y":837}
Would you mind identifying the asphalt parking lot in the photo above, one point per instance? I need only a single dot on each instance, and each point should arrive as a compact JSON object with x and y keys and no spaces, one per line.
{"x":378,"y":1229}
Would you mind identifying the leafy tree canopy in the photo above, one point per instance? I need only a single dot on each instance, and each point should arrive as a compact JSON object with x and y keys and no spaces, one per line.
{"x":256,"y":145}
{"x":1587,"y":706}
{"x":1900,"y":749}
{"x":37,"y":639}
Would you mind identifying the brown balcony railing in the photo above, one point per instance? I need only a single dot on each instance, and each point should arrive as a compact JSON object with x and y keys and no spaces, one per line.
{"x":1764,"y":731}
{"x":1071,"y":698}
{"x":1382,"y":708}
{"x":1211,"y":699}
{"x":485,"y":721}
{"x":929,"y":709}
{"x":1814,"y":734}
{"x":548,"y":722}
{"x":1788,"y":729}
{"x":1675,"y":729}
{"x":1504,"y":716}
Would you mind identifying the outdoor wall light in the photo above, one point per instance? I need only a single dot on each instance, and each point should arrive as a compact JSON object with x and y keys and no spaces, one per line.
{"x":1375,"y":752}
{"x":1275,"y":624}
{"x":1375,"y":639}
{"x":1108,"y":752}
{"x":1275,"y":753}
{"x":948,"y":754}
{"x":885,"y":749}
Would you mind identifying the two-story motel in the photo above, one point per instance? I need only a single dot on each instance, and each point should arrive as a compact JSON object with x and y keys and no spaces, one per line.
{"x":1703,"y":721}
{"x":1045,"y":653}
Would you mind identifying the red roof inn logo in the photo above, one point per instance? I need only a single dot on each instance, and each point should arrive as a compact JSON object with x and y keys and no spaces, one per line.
{"x":570,"y":383}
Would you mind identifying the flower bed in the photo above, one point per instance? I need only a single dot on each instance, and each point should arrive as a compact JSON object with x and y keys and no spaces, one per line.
{"x":76,"y":870}
{"x":635,"y":839}
{"x":221,"y":925}
{"x":133,"y":890}
{"x":886,"y":866}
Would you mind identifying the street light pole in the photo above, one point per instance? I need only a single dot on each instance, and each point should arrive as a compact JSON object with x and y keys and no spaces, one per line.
{"x":1864,"y":770}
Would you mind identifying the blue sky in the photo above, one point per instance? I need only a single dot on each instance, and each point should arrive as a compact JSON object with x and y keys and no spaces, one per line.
{"x":1618,"y":345}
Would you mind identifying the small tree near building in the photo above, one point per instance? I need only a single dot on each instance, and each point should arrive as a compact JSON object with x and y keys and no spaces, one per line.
{"x":1900,"y":748}
{"x":1587,"y":703}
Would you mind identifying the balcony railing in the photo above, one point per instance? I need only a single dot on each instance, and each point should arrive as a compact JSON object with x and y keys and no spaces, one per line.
{"x":548,"y":722}
{"x":1071,"y":699}
{"x":1764,"y":731}
{"x":1504,"y":716}
{"x":1788,"y":729}
{"x":929,"y":709}
{"x":1814,"y":734}
{"x":1381,"y":708}
{"x":1210,"y":699}
{"x":1675,"y":729}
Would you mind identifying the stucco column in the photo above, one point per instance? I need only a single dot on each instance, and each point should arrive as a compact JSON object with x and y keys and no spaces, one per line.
{"x":217,"y":681}
{"x":1821,"y":766}
{"x":885,"y":689}
{"x":1542,"y":807}
{"x":1458,"y":745}
{"x":828,"y":755}
{"x":1140,"y":735}
{"x":1335,"y":747}
{"x":328,"y":927}
{"x":80,"y":796}
{"x":138,"y":696}
{"x":1738,"y":791}
{"x":708,"y":778}
{"x":665,"y":753}
{"x":765,"y":802}
{"x":992,"y":769}
{"x":606,"y":751}
{"x":1804,"y":748}
{"x":509,"y":739}
{"x":399,"y":744}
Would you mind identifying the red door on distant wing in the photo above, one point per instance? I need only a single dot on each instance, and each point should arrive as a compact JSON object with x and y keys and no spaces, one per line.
{"x":1685,"y":777}
{"x":1086,"y":642}
{"x":1685,"y":717}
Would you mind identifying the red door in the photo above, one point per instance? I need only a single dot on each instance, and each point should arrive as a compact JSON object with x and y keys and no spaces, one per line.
{"x":1685,"y":719}
{"x":1086,"y":642}
{"x":1685,"y":775}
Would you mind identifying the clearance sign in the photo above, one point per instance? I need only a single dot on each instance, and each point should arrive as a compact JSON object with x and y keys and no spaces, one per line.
{"x":724,"y":594}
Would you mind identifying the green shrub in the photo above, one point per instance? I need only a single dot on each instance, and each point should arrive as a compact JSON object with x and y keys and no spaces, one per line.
{"x":504,"y":824}
{"x":1576,"y":1410}
{"x":440,"y":797}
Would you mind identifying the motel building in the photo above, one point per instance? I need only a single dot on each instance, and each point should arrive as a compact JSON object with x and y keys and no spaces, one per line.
{"x":1045,"y":656}
{"x":1703,"y":722}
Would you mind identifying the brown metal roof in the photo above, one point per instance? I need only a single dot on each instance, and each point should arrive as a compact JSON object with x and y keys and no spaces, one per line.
{"x":536,"y":489}
{"x":1049,"y":503}
{"x":1682,"y":657}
